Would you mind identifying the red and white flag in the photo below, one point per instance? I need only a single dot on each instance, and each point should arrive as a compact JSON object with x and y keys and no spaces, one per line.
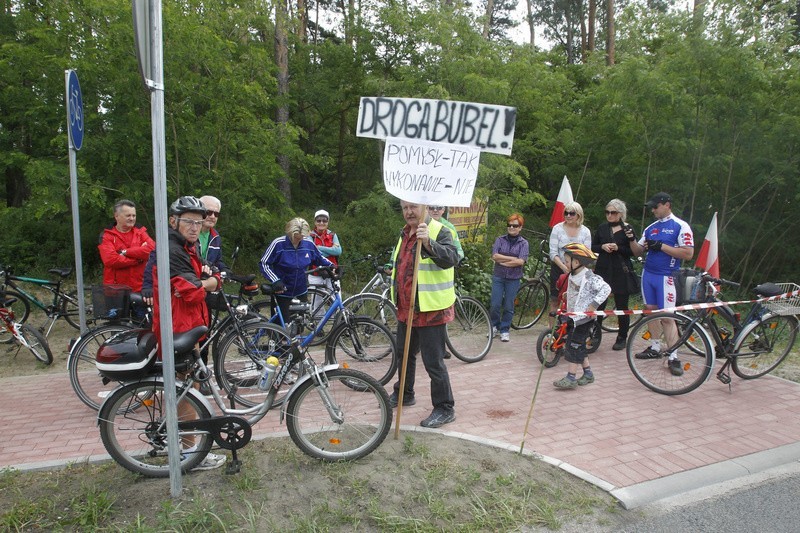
{"x":564,"y":198}
{"x":708,"y":259}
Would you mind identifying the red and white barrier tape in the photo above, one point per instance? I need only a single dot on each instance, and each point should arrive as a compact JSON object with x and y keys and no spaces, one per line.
{"x":688,"y":307}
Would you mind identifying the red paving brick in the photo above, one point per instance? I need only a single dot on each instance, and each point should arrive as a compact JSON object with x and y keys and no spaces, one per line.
{"x":614,"y":429}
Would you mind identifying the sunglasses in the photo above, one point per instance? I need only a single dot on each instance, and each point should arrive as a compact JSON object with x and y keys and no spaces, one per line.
{"x":570,"y":213}
{"x":321,"y":220}
{"x":513,"y":225}
{"x":209,"y":212}
{"x":435,"y":208}
{"x":612,"y":212}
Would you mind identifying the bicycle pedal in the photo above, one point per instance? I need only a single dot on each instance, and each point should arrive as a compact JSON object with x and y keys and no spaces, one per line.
{"x":724,"y":378}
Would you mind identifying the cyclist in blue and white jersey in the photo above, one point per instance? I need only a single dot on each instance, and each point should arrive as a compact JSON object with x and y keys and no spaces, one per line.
{"x":667,"y":241}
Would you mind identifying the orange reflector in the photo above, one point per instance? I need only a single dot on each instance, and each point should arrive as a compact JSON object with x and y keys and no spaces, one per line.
{"x":646,"y":336}
{"x":687,"y":366}
{"x":345,"y":365}
{"x":148,"y":402}
{"x":773,"y":325}
{"x":335,"y":441}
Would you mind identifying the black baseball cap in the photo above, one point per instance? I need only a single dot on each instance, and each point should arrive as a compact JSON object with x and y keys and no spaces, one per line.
{"x":659,"y":198}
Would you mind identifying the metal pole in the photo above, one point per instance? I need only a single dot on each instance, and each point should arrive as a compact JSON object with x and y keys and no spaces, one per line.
{"x":76,"y":225}
{"x":162,"y":248}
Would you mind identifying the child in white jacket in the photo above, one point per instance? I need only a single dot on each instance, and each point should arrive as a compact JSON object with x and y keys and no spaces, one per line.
{"x":586,"y":291}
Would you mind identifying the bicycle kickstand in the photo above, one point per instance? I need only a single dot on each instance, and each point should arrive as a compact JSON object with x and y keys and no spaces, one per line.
{"x":234,"y":466}
{"x":723,"y":375}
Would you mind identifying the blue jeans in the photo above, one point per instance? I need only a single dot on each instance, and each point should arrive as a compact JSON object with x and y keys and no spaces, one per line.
{"x":501,"y":305}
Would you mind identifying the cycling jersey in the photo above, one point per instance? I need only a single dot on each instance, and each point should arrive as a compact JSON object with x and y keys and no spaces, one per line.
{"x":672,"y":231}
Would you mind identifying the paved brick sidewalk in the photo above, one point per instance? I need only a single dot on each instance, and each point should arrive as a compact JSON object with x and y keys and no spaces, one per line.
{"x":615,"y":429}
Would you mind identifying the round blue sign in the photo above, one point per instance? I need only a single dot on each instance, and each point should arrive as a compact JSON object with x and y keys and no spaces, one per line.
{"x":75,"y":110}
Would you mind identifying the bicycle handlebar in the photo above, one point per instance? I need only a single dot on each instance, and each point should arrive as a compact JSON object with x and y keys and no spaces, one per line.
{"x":707,"y":277}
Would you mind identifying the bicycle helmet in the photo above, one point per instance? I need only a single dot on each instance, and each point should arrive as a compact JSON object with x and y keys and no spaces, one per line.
{"x":580,"y":252}
{"x":187,"y":204}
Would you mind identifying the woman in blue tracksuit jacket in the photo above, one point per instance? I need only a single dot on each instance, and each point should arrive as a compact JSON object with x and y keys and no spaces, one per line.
{"x":286,"y":261}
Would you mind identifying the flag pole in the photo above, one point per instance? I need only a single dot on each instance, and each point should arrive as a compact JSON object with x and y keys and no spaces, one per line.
{"x":409,"y":323}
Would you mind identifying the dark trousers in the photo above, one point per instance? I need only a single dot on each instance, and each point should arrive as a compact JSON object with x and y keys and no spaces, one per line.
{"x":430,"y":341}
{"x":624,"y":321}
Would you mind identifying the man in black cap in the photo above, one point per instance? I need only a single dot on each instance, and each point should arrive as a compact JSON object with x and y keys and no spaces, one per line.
{"x":667,"y":241}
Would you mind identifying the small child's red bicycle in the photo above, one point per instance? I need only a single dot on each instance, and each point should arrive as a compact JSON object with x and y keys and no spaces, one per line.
{"x":23,"y":334}
{"x":551,"y":342}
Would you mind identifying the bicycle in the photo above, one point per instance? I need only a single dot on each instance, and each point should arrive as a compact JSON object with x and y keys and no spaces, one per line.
{"x":550,"y":343}
{"x":358,"y":342}
{"x":373,"y":300}
{"x":64,"y":304}
{"x":91,"y":387}
{"x":751,"y":348}
{"x":469,"y":334}
{"x":331,"y":413}
{"x":25,"y":335}
{"x":610,"y":323}
{"x":533,"y":297}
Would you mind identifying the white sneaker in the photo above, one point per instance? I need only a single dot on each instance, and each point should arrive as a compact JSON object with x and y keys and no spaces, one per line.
{"x":505,"y":337}
{"x":211,"y":461}
{"x":494,"y":332}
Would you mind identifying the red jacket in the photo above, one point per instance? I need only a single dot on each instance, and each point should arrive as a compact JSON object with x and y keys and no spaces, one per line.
{"x":125,"y":269}
{"x":188,"y":295}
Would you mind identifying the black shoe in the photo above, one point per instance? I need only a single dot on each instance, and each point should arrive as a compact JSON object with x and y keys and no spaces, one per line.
{"x":649,"y":353}
{"x":438,"y":418}
{"x":447,"y":355}
{"x":407,"y":400}
{"x":619,"y":345}
{"x":675,"y":367}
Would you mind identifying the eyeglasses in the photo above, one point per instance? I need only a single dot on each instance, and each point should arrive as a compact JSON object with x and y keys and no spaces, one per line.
{"x":513,"y":225}
{"x":321,"y":220}
{"x":209,"y":212}
{"x":435,"y":208}
{"x":612,"y":212}
{"x":570,"y":213}
{"x":190,"y":222}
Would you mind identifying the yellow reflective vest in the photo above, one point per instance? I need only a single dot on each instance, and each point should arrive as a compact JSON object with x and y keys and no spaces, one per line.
{"x":435,"y":285}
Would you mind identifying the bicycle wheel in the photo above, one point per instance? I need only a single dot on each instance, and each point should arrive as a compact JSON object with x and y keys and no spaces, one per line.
{"x":364,"y":344}
{"x":763,"y":345}
{"x":635,"y":303}
{"x":133,"y":429}
{"x":545,"y":351}
{"x":655,"y":373}
{"x":354,"y":424}
{"x":20,"y":306}
{"x":594,"y":338}
{"x":70,"y":311}
{"x":321,"y":300}
{"x":240,"y":359}
{"x":530,"y":304}
{"x":86,"y":381}
{"x":37,"y":344}
{"x":374,"y":306}
{"x":469,"y":335}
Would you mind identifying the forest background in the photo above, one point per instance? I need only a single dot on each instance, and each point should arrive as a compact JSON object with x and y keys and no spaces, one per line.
{"x":625,"y":97}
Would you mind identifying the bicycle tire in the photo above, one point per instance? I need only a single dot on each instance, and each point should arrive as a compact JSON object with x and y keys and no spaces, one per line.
{"x":20,"y":307}
{"x":240,"y":359}
{"x":544,"y":349}
{"x":767,"y":343}
{"x":635,"y":303}
{"x":366,"y":345}
{"x":37,"y":343}
{"x":594,"y":338}
{"x":469,"y":335}
{"x":69,"y":309}
{"x":86,"y":381}
{"x":129,"y":423}
{"x":530,"y":304}
{"x":655,"y":373}
{"x":374,"y":306}
{"x":364,"y":416}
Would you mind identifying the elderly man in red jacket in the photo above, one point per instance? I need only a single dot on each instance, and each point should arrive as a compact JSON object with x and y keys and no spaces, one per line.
{"x":124,"y":248}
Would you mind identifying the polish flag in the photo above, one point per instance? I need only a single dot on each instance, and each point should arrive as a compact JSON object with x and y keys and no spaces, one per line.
{"x":564,"y":197}
{"x":708,"y":259}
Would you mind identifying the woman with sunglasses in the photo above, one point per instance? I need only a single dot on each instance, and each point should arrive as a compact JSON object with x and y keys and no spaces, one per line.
{"x":562,"y":234}
{"x":509,"y":254}
{"x":328,"y":244}
{"x":612,"y":246}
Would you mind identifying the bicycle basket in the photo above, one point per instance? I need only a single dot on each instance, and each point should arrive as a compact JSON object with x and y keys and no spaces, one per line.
{"x":111,"y":301}
{"x":128,"y":355}
{"x":786,"y":306}
{"x":689,"y":286}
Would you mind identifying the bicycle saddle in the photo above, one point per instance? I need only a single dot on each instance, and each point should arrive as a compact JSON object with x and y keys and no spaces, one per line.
{"x":183,"y":343}
{"x":768,"y":289}
{"x":63,"y":272}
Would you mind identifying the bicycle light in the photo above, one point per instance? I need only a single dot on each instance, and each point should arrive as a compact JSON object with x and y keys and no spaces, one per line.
{"x":241,"y":310}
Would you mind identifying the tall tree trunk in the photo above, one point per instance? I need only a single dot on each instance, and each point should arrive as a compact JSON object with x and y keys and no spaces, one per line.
{"x":282,"y":62}
{"x":592,"y":18}
{"x":487,"y":24}
{"x":530,"y":22}
{"x":610,"y":34}
{"x":302,"y":20}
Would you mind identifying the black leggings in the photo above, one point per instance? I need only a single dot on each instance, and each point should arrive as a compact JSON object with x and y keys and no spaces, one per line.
{"x":624,"y":321}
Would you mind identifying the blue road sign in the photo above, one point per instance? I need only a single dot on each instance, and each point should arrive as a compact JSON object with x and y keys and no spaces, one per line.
{"x":75,"y":109}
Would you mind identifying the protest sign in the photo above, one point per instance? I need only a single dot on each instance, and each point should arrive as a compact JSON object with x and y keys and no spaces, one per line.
{"x":430,"y":173}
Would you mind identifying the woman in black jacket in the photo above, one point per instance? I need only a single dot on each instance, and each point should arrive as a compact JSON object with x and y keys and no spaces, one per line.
{"x":612,"y":245}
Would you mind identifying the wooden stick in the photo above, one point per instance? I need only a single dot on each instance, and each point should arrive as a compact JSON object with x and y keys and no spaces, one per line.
{"x":418,"y":256}
{"x":533,"y":401}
